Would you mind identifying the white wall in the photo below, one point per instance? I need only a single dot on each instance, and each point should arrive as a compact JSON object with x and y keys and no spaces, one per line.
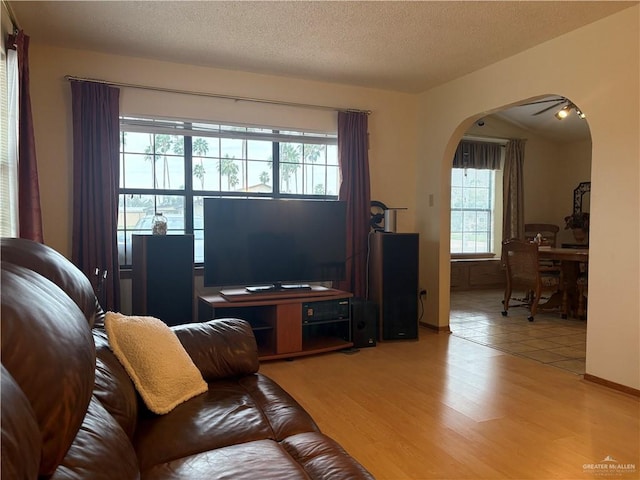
{"x":392,"y":124}
{"x":598,"y":67}
{"x":573,"y":170}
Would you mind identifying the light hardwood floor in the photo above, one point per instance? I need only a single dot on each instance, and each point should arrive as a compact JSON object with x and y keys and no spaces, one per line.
{"x":447,"y":408}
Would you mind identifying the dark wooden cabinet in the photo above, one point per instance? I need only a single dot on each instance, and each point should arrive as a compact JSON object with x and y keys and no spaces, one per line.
{"x":393,"y":284}
{"x":162,"y":277}
{"x":286,"y":324}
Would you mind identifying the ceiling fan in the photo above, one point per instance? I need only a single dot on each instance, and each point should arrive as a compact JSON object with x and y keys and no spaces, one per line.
{"x":565,"y":105}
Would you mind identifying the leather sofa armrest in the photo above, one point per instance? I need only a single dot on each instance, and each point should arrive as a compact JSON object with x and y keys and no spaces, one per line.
{"x":220,"y":348}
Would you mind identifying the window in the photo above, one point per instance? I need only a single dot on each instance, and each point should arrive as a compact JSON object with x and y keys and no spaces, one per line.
{"x":9,"y":143}
{"x":475,"y":222}
{"x":169,"y":166}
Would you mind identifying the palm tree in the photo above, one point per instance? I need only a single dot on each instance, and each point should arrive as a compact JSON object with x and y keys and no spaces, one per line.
{"x":289,"y":163}
{"x":200,"y":149}
{"x":157,"y":148}
{"x":312,"y":154}
{"x":228,"y":167}
{"x":163,"y":145}
{"x":178,"y":145}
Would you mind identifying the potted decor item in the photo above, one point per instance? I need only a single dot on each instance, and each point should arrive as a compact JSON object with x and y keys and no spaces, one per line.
{"x":159,"y":224}
{"x":578,"y":222}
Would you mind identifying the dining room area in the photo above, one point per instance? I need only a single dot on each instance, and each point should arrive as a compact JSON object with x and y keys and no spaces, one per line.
{"x":540,"y":310}
{"x":555,"y":215}
{"x":562,"y":266}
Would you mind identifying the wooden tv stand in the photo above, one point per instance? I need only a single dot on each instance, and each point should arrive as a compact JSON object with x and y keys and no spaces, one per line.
{"x":278,"y":323}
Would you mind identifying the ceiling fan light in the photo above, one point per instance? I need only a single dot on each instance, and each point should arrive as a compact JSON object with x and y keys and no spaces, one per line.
{"x":564,"y":113}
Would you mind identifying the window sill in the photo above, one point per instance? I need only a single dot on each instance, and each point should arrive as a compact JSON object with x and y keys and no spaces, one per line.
{"x":462,"y":257}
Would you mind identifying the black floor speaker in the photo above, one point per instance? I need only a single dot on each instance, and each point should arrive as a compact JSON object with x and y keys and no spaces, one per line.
{"x":162,"y":277}
{"x":364,"y":323}
{"x":393,"y":284}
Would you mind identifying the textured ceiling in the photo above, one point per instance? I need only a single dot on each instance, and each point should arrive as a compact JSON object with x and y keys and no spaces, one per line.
{"x":402,"y":46}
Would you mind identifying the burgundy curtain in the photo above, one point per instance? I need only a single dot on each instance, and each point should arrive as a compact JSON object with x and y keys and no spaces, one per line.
{"x":96,"y":173}
{"x":353,"y":157}
{"x":29,"y":213}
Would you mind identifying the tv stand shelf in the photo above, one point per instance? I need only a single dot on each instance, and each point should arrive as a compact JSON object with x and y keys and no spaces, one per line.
{"x":277,"y":320}
{"x":270,"y":296}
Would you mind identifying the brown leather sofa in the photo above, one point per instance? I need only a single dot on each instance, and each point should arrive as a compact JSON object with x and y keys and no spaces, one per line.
{"x":70,"y":411}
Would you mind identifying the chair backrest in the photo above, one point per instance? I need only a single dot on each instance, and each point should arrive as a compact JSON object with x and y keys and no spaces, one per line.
{"x":521,"y":259}
{"x":548,"y":231}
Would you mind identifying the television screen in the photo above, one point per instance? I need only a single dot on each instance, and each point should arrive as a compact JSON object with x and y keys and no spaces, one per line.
{"x":269,"y":242}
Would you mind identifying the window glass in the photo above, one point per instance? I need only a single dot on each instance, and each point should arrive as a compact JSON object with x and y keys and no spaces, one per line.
{"x":166,"y":165}
{"x":259,"y":150}
{"x":472,"y":210}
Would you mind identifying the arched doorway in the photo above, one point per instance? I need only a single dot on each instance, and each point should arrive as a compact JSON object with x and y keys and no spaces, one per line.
{"x":557,"y":162}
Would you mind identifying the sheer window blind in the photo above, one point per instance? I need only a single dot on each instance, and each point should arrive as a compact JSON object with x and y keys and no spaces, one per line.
{"x":9,"y":144}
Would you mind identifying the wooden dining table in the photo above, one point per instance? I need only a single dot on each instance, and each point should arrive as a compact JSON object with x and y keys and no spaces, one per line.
{"x":570,"y":260}
{"x":580,"y":255}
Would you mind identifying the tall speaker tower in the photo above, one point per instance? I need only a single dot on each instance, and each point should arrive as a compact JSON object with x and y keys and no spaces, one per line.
{"x":393,"y":283}
{"x":162,"y":277}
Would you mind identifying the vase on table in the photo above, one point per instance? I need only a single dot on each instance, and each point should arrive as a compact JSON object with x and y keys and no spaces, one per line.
{"x":159,"y":224}
{"x":579,"y":234}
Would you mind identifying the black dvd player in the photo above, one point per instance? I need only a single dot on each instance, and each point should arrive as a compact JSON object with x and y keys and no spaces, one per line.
{"x":324,"y":310}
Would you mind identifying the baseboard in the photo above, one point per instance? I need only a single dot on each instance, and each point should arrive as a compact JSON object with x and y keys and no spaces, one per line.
{"x":613,"y":385}
{"x":435,"y":328}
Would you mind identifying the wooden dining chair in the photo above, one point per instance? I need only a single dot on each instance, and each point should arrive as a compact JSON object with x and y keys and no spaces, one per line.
{"x":525,"y":276}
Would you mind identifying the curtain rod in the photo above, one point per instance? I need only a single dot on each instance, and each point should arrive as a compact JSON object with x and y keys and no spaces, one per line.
{"x":214,"y":95}
{"x":12,"y":16}
{"x":485,"y":138}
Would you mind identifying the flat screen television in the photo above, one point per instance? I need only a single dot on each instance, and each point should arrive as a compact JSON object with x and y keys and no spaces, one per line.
{"x":272,"y":244}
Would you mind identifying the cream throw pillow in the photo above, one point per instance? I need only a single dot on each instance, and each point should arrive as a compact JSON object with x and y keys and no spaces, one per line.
{"x":156,"y":361}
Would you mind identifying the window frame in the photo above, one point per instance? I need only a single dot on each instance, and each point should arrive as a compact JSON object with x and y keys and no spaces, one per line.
{"x":495,"y":219}
{"x":187,"y":130}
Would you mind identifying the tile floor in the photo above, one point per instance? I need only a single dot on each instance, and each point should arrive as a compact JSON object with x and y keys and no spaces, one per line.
{"x":476,"y":316}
